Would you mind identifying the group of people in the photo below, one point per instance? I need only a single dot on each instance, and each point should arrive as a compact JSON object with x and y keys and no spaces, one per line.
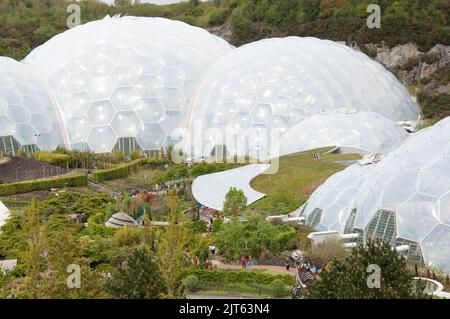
{"x":246,"y":261}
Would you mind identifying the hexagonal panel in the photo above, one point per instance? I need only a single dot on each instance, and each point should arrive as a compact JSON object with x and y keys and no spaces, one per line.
{"x":78,"y":128}
{"x":262,"y":113}
{"x":18,"y":114}
{"x":245,"y":102}
{"x":125,"y":124}
{"x":150,"y":110}
{"x":124,"y":75}
{"x":41,"y":123}
{"x":241,"y":122}
{"x":174,"y":77}
{"x":101,"y":113}
{"x":78,"y":104}
{"x":101,"y":88}
{"x":444,"y":209}
{"x":26,"y":134}
{"x":150,"y":86}
{"x":102,"y":139}
{"x":125,"y":98}
{"x":281,"y":106}
{"x":102,"y":66}
{"x":7,"y":127}
{"x":433,"y":247}
{"x":150,"y":136}
{"x":78,"y":82}
{"x":173,"y":99}
{"x":267,"y":94}
{"x":150,"y":65}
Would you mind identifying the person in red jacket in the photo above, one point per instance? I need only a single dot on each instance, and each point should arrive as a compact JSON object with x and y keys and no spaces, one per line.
{"x":243,"y":262}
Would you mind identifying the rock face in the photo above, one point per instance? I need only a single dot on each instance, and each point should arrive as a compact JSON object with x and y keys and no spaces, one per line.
{"x":223,"y":31}
{"x":412,"y":66}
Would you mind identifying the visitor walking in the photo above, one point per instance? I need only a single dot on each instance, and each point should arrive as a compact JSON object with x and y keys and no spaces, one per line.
{"x":243,"y":262}
{"x":287,"y":263}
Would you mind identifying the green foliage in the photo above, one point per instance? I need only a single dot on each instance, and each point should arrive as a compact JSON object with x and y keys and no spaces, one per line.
{"x":199,"y":226}
{"x":216,"y":17}
{"x":235,"y":200}
{"x":121,"y":170}
{"x":227,"y":277}
{"x":43,"y":184}
{"x":57,"y":159}
{"x":192,"y":282}
{"x":278,"y":287}
{"x":434,"y":106}
{"x":255,"y":237}
{"x":347,"y":278}
{"x":138,"y":277}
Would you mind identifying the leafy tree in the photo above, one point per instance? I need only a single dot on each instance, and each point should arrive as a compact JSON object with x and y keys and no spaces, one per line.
{"x":235,"y":200}
{"x":138,"y":277}
{"x":348,"y":278}
{"x":32,"y":261}
{"x":172,"y":248}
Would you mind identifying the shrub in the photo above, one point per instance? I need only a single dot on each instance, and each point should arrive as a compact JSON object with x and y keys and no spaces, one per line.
{"x":192,"y":282}
{"x":216,"y":17}
{"x":430,"y":57}
{"x":278,"y":287}
{"x":57,"y":159}
{"x":43,"y":184}
{"x":327,"y":251}
{"x":230,"y":277}
{"x":121,"y":170}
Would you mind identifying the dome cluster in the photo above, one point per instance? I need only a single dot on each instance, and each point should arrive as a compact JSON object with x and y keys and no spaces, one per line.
{"x":146,"y":83}
{"x":404,"y":198}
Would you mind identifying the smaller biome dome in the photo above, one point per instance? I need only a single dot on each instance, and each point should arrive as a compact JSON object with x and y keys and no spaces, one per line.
{"x":27,"y":111}
{"x":403,"y":199}
{"x":365,"y":131}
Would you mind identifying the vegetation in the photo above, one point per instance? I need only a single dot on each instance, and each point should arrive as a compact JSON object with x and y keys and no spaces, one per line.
{"x":298,"y":176}
{"x":235,"y":201}
{"x":138,"y":277}
{"x":57,"y":159}
{"x":256,"y":237}
{"x":75,"y":180}
{"x":349,"y":278}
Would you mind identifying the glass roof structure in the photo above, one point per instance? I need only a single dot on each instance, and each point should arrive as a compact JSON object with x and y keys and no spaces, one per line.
{"x":404,"y":198}
{"x":125,"y":77}
{"x":28,"y":113}
{"x":276,"y":83}
{"x":366,"y":131}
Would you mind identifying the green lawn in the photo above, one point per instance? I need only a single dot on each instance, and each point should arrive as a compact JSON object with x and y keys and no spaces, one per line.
{"x":298,"y":176}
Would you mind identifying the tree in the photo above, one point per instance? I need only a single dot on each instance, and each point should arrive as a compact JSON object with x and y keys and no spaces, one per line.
{"x":235,"y":200}
{"x":31,"y":258}
{"x":138,"y":277}
{"x":172,"y":248}
{"x":348,"y":278}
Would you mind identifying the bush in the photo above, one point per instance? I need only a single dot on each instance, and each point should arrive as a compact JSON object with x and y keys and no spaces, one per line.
{"x":278,"y":287}
{"x":216,"y":17}
{"x":121,"y":170}
{"x":430,"y":57}
{"x":43,"y":184}
{"x":192,"y":282}
{"x":57,"y":159}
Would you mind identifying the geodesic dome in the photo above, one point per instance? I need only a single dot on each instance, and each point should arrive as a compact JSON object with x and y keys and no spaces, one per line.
{"x":403,"y":199}
{"x":125,"y":78}
{"x":349,"y":128}
{"x":28,"y":116}
{"x":276,"y":83}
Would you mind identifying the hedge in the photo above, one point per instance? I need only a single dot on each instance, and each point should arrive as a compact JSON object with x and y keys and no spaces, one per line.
{"x":221,"y":276}
{"x":123,"y":170}
{"x":61,"y":160}
{"x":43,"y":184}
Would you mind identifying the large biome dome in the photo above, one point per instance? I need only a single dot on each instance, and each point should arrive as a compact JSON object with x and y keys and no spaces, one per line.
{"x":28,"y":116}
{"x":126,"y":77}
{"x":403,"y":199}
{"x":276,"y":83}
